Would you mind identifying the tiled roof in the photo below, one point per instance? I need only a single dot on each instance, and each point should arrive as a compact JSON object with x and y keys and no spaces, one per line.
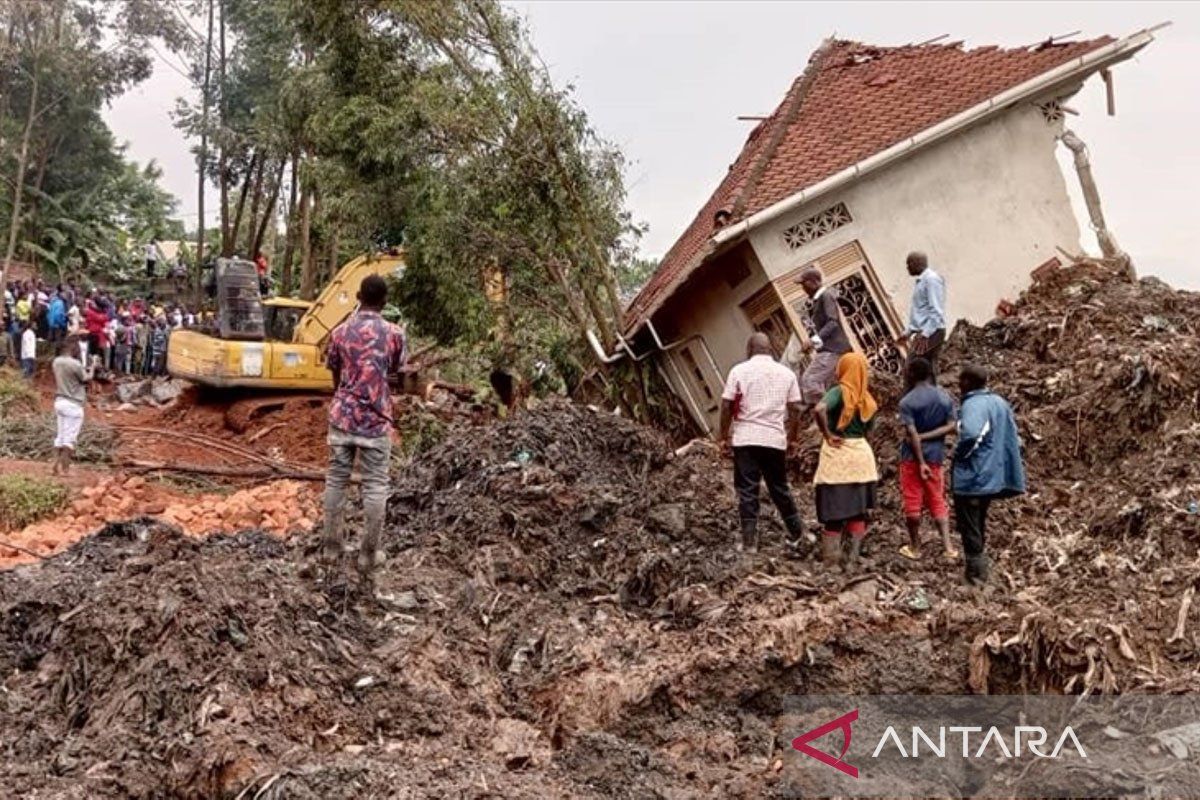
{"x":853,"y":101}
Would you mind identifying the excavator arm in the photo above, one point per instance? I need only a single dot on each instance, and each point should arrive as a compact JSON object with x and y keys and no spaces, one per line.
{"x":339,"y":297}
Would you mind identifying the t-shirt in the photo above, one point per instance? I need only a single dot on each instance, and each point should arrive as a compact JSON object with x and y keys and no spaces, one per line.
{"x":363,"y":350}
{"x":28,"y":344}
{"x":926,"y":407}
{"x":70,"y":379}
{"x":760,"y":389}
{"x":857,"y":429}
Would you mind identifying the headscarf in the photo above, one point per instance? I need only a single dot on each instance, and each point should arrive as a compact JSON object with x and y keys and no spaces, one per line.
{"x":856,"y":397}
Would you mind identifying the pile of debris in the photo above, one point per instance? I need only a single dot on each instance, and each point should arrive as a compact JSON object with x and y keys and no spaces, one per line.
{"x":157,"y":392}
{"x":277,"y":507}
{"x":563,"y":614}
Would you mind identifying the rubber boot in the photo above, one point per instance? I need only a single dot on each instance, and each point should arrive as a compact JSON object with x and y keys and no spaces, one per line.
{"x":749,"y":536}
{"x":977,"y":569}
{"x":850,"y":565}
{"x":831,"y":548}
{"x":795,"y":532}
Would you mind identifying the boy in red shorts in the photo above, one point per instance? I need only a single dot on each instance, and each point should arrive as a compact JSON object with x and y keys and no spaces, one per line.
{"x":927,"y":414}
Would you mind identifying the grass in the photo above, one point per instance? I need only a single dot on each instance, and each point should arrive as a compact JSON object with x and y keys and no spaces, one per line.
{"x":16,"y":393}
{"x":25,"y":500}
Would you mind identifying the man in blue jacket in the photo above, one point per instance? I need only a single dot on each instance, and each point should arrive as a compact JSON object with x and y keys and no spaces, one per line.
{"x":987,"y":464}
{"x":56,"y":318}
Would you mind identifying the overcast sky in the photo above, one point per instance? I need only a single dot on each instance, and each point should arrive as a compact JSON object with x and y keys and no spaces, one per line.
{"x":667,"y":80}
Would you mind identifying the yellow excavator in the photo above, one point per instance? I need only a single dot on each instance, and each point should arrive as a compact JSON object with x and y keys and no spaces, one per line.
{"x":276,"y":344}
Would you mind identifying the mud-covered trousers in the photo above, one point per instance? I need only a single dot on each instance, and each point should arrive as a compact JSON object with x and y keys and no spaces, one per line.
{"x":373,"y":454}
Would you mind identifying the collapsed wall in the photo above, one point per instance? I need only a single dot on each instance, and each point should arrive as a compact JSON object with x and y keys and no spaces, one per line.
{"x":563,"y":614}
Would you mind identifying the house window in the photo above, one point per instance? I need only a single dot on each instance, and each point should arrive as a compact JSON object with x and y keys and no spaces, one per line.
{"x":696,"y":374}
{"x":818,"y":225}
{"x":766,"y":315}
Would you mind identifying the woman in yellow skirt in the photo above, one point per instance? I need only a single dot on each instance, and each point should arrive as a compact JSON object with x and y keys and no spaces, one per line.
{"x":846,"y":473}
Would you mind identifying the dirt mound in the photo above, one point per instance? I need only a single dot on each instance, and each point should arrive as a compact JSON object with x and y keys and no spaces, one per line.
{"x":562,"y":613}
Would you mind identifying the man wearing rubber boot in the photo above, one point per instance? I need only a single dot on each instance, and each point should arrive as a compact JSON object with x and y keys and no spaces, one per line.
{"x":987,"y":464}
{"x":363,"y":351}
{"x":760,"y":421}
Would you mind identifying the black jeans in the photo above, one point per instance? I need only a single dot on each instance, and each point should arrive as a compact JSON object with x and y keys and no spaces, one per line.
{"x":752,"y":465}
{"x":970,"y":517}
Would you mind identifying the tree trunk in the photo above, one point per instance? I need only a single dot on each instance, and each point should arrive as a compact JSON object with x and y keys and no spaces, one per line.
{"x":256,"y":197}
{"x":332,"y":254}
{"x":223,"y":158}
{"x":19,"y":184}
{"x":306,"y":257}
{"x":289,"y":249}
{"x":236,"y":227}
{"x":200,"y":231}
{"x":268,"y":216}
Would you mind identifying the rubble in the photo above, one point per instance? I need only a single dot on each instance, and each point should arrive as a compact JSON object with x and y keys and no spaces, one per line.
{"x":147,"y":391}
{"x":276,"y":507}
{"x":562,"y":612}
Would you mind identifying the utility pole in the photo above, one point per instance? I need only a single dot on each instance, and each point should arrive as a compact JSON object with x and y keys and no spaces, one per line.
{"x":203,"y":150}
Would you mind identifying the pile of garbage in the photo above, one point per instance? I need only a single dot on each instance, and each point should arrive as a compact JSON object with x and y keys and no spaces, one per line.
{"x":562,"y":612}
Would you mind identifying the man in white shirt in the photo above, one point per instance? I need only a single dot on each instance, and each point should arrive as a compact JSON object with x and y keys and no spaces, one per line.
{"x":760,"y":420}
{"x":153,"y":254}
{"x":28,"y":349}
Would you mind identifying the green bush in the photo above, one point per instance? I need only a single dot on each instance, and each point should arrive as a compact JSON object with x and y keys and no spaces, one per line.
{"x":24,"y":500}
{"x":419,"y":433}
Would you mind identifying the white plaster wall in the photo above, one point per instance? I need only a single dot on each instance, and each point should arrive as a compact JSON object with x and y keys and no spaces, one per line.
{"x":987,"y":206}
{"x":713,"y":312}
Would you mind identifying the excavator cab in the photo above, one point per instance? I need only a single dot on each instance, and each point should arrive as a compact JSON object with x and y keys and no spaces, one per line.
{"x":280,"y":317}
{"x":239,"y":305}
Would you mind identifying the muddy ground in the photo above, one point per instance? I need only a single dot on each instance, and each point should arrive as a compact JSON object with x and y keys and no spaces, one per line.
{"x":563,"y":614}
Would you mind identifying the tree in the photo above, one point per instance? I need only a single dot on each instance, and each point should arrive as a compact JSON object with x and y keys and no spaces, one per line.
{"x":432,"y":126}
{"x":62,"y":60}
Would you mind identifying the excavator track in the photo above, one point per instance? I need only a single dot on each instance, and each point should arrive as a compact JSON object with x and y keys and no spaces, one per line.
{"x":240,"y":415}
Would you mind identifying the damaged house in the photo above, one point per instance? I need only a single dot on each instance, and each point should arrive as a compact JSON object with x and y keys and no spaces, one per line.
{"x":875,"y":152}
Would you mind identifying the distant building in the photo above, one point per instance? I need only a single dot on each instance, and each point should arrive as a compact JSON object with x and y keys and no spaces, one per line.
{"x":874,"y":152}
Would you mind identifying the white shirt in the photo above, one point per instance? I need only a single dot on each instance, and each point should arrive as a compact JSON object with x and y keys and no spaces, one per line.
{"x":28,"y":344}
{"x":760,"y":389}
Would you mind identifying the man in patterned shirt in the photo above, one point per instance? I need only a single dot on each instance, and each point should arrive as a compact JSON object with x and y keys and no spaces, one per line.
{"x":363,"y":351}
{"x":761,"y":397}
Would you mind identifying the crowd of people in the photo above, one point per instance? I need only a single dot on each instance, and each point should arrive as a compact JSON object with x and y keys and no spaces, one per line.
{"x":765,"y":406}
{"x":129,"y":335}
